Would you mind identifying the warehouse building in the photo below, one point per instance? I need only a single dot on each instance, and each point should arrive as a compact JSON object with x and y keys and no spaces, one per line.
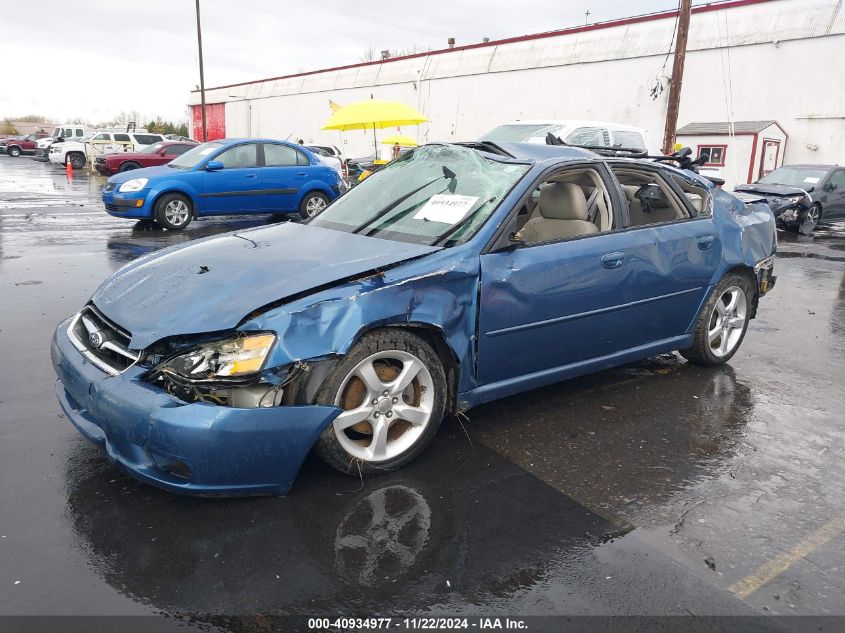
{"x":775,"y":61}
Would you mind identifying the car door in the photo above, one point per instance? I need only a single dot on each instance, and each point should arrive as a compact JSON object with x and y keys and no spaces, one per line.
{"x":835,"y":191}
{"x":284,"y":173}
{"x":237,"y":187}
{"x":550,"y":305}
{"x":562,"y":308}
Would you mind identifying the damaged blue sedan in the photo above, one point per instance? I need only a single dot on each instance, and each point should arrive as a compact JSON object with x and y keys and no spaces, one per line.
{"x":455,"y":275}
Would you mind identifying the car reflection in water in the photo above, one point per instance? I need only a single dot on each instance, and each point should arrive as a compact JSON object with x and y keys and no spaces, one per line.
{"x":461,"y":529}
{"x":146,"y":236}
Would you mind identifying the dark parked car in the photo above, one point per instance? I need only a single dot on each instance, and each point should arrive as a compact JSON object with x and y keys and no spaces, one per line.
{"x":150,"y":156}
{"x":801,"y":196}
{"x":455,"y":275}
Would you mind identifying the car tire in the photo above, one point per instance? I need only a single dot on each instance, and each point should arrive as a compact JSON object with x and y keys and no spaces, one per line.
{"x":76,"y":160}
{"x":128,"y":166}
{"x":371,"y":436}
{"x":814,"y":214}
{"x":14,"y":152}
{"x":722,"y":323}
{"x":174,"y":211}
{"x":312,"y":203}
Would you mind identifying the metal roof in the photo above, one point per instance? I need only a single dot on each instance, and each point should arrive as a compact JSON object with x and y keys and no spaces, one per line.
{"x":723,"y":127}
{"x":751,"y":22}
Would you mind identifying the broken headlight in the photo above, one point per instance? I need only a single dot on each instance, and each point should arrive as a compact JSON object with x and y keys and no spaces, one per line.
{"x":232,"y":358}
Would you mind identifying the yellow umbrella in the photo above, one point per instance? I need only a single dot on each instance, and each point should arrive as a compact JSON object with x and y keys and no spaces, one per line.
{"x":375,"y":114}
{"x":399,"y":139}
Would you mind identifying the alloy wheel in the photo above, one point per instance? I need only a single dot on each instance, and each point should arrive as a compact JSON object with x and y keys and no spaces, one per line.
{"x":176,"y":212}
{"x":812,"y":216}
{"x":387,"y":401}
{"x":727,"y":321}
{"x":314,"y":205}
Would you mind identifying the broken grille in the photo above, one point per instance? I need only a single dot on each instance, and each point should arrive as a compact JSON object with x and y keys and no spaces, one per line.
{"x":102,"y":342}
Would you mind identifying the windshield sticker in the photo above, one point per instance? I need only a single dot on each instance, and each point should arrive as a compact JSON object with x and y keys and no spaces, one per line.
{"x":448,"y":209}
{"x":812,"y":180}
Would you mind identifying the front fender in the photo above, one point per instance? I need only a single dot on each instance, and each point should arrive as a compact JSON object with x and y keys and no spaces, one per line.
{"x":747,"y":232}
{"x":173,"y":186}
{"x":438,"y":291}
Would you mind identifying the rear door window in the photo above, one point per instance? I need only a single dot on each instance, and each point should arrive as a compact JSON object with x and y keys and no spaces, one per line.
{"x":148,"y":139}
{"x":123,"y":138}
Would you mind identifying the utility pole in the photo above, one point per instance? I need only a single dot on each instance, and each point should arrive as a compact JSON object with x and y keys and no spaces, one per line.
{"x":677,"y":77}
{"x":202,"y":76}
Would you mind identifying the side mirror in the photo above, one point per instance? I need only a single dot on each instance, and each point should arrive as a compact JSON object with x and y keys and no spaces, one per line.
{"x":213,"y":165}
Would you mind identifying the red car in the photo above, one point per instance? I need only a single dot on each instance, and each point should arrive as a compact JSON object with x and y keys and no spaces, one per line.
{"x":16,"y":145}
{"x":157,"y":154}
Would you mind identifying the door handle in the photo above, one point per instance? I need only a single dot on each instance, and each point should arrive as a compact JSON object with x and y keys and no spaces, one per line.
{"x":302,"y":173}
{"x":706,"y":241}
{"x":252,"y":175}
{"x":612,"y":260}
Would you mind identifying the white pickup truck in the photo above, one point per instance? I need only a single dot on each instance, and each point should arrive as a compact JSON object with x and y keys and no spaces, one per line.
{"x":77,"y":153}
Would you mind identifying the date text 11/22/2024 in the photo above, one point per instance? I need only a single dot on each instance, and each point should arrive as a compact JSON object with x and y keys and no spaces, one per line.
{"x":415,"y":624}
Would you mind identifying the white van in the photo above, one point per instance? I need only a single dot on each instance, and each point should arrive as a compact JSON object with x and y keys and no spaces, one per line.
{"x":78,"y":153}
{"x":590,"y":133}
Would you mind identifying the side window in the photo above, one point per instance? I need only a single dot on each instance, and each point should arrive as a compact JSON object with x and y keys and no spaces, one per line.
{"x":629,"y":140}
{"x":650,"y":198}
{"x":570,"y":203}
{"x":240,"y":156}
{"x":177,"y":150}
{"x":67,"y":132}
{"x":101,"y":137}
{"x":279,"y":155}
{"x":78,"y":131}
{"x":838,"y":179}
{"x":715,"y":154}
{"x":593,"y":136}
{"x":123,"y":138}
{"x":148,"y":139}
{"x":302,"y":159}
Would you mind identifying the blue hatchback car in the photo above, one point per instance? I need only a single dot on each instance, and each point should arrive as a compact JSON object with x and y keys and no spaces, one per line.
{"x":225,"y":177}
{"x":455,"y":275}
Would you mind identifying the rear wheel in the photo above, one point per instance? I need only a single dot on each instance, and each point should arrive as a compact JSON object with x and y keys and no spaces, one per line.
{"x":128,"y":166}
{"x":173,"y":211}
{"x":14,"y":152}
{"x":392,"y":389}
{"x":76,"y":160}
{"x":723,"y":322}
{"x":312,"y":204}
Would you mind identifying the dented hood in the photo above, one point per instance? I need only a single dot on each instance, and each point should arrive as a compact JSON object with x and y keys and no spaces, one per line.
{"x":212,"y":284}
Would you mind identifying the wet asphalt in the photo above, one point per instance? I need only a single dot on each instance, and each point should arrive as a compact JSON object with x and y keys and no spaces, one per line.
{"x":658,"y":488}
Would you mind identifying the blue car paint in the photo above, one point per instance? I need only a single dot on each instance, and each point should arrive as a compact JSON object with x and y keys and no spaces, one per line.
{"x":229,"y":451}
{"x":226,"y":191}
{"x":481,"y":303}
{"x":292,"y":261}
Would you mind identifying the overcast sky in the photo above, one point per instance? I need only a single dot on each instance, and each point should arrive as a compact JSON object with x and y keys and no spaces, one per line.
{"x":95,"y":58}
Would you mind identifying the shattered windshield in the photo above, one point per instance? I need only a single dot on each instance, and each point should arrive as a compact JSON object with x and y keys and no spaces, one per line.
{"x":801,"y":177}
{"x":435,"y":194}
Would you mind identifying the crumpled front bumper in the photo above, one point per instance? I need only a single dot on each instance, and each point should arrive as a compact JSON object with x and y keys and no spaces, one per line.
{"x":197,"y":448}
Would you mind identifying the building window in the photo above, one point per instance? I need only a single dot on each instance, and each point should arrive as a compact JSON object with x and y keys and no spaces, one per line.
{"x":716,"y":154}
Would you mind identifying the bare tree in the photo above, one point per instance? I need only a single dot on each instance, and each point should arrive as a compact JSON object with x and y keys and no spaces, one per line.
{"x":369,"y":54}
